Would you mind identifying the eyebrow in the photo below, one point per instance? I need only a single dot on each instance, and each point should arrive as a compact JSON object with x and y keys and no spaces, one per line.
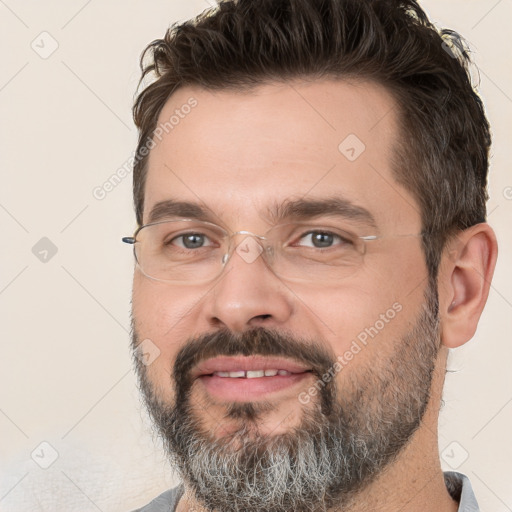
{"x":304,"y":209}
{"x":172,"y":208}
{"x":299,"y":210}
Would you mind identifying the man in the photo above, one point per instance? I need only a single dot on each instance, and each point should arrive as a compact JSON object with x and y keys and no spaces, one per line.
{"x":310,"y":189}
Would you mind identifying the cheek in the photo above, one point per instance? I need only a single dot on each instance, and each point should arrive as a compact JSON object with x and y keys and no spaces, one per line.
{"x":162,"y":311}
{"x":354,"y":313}
{"x":163,"y":316}
{"x":369,"y":313}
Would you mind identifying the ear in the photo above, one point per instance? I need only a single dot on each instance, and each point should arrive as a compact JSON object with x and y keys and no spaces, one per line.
{"x":465,"y":273}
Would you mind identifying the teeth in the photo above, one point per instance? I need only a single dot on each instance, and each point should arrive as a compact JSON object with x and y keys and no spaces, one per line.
{"x":238,"y":374}
{"x":255,"y":373}
{"x":252,"y":374}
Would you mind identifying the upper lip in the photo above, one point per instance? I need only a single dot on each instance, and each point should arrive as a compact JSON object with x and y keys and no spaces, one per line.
{"x":247,"y":363}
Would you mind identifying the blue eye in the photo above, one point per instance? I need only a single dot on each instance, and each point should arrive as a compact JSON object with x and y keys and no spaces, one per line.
{"x":321,"y":239}
{"x":191,"y":241}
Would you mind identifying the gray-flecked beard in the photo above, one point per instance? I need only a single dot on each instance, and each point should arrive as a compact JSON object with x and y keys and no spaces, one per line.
{"x":342,"y":443}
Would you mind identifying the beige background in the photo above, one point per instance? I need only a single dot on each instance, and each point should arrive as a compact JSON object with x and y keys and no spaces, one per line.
{"x":65,"y":368}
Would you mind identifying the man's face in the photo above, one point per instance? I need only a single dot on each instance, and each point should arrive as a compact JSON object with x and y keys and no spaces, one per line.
{"x":360,"y":349}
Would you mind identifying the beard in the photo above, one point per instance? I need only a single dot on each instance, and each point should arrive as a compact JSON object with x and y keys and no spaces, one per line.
{"x":342,"y":443}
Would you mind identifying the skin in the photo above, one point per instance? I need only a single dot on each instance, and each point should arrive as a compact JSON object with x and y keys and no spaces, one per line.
{"x":237,"y":153}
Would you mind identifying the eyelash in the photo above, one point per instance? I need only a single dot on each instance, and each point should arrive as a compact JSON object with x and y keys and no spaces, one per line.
{"x":328,"y":233}
{"x":335,"y":236}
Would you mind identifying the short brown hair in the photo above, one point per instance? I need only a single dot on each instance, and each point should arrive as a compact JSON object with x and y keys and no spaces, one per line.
{"x":441,"y":156}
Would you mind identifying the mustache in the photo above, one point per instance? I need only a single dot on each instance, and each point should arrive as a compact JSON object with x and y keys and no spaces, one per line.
{"x":256,"y":341}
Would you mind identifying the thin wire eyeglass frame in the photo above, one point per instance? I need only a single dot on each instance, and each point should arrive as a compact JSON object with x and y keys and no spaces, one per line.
{"x":132,"y":240}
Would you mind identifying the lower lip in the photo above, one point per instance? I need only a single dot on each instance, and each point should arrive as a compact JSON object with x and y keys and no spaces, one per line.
{"x":243,"y":389}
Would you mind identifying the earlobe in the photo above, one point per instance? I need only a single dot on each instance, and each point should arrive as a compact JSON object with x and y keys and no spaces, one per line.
{"x":466,"y":271}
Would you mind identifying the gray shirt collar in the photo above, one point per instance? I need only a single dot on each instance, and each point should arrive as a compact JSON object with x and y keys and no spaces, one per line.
{"x":459,"y":487}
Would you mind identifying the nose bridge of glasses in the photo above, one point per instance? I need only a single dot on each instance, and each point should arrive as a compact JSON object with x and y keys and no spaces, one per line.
{"x":248,"y":245}
{"x":238,"y":237}
{"x":247,"y":233}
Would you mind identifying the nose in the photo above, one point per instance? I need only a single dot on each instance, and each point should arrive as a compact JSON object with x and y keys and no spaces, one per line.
{"x":248,"y":294}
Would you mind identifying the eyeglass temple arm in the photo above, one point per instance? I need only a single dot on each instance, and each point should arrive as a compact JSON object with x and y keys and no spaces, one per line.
{"x":132,"y":240}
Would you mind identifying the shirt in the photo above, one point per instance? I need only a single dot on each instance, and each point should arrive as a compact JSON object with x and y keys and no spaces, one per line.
{"x":458,"y":486}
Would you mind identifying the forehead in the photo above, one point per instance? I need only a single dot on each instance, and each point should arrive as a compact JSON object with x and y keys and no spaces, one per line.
{"x":237,"y":153}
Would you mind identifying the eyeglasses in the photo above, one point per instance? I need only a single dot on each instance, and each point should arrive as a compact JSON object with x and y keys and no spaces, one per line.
{"x":188,"y":251}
